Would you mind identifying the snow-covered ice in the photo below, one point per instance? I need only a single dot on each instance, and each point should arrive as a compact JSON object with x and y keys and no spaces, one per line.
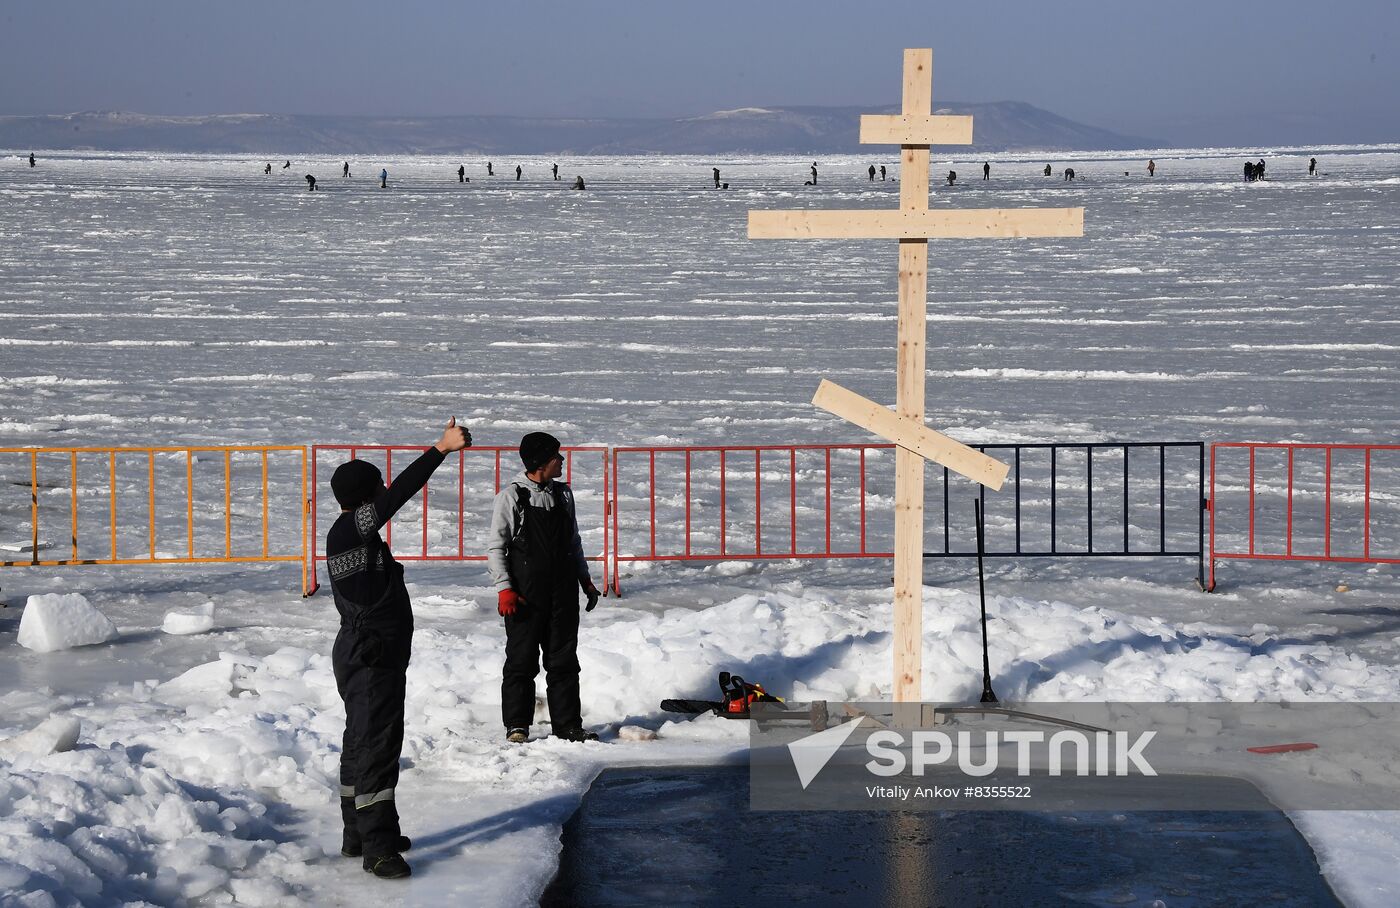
{"x":191,"y":300}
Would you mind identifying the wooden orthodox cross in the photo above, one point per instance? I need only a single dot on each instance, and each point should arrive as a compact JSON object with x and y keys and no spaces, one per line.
{"x":914,"y":130}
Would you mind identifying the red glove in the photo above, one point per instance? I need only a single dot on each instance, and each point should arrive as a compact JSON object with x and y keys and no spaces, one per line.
{"x":592,"y":593}
{"x":507,"y":601}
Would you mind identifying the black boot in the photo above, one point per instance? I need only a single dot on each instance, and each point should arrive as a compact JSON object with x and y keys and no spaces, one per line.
{"x":350,"y":845}
{"x":389,"y":867}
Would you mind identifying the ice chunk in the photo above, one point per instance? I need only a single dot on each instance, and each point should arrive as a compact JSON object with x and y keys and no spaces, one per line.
{"x":636,"y":733}
{"x":56,"y":734}
{"x":211,"y":681}
{"x":56,"y":621}
{"x":189,"y":621}
{"x":12,"y":876}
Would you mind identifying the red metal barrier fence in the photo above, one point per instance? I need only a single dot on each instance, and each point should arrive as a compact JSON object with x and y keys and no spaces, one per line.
{"x":1267,"y":501}
{"x":695,"y":515}
{"x":454,"y":516}
{"x":808,"y":502}
{"x":1304,"y":502}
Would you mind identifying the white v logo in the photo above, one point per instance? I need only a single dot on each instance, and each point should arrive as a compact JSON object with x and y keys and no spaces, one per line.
{"x":811,"y":754}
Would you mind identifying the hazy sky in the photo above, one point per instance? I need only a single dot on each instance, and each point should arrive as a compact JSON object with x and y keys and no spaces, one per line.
{"x":1252,"y":72}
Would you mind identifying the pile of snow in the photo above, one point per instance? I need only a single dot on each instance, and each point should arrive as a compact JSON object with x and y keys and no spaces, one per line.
{"x":222,"y":782}
{"x":193,"y":621}
{"x":57,"y":621}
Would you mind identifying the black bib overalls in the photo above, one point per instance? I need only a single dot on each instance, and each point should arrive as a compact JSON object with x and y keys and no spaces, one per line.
{"x":544,"y":574}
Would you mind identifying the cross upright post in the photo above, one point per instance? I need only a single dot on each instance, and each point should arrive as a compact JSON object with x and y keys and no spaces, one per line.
{"x":909,"y":392}
{"x":914,"y":129}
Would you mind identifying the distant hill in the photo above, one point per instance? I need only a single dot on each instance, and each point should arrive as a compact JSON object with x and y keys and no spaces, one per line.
{"x":997,"y":126}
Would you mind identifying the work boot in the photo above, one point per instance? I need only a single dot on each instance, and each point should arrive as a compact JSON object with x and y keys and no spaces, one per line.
{"x":579,"y":735}
{"x":389,"y":867}
{"x":350,"y":844}
{"x":518,"y":735}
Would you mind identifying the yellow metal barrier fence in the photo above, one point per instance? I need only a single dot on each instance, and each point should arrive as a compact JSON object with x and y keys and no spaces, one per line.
{"x":96,"y":487}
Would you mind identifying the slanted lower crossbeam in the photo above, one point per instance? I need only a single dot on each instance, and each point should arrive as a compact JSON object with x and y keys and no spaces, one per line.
{"x":911,"y":435}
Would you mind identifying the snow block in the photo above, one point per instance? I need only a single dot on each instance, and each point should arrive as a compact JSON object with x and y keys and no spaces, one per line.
{"x":58,"y":621}
{"x":56,"y":734}
{"x":189,"y":621}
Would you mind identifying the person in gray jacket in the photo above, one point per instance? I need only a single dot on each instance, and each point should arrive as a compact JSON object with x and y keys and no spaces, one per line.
{"x":537,"y":565}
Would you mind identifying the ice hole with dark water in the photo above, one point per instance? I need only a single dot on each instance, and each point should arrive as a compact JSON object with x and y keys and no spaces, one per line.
{"x":685,"y":836}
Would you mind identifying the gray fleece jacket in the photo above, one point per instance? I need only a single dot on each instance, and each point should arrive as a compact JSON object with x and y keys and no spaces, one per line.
{"x":505,"y":519}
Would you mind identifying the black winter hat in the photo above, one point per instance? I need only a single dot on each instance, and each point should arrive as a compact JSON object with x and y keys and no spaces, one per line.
{"x":537,"y":449}
{"x":355,"y":482}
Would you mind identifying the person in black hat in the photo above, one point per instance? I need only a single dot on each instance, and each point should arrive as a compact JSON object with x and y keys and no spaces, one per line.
{"x":371,"y":651}
{"x":537,"y":564}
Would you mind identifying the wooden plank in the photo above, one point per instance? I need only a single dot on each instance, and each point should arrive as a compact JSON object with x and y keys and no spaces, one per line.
{"x":913,"y":161}
{"x":909,"y":383}
{"x":906,"y":129}
{"x":911,"y":435}
{"x":908,"y":576}
{"x":916,"y":222}
{"x":918,"y":81}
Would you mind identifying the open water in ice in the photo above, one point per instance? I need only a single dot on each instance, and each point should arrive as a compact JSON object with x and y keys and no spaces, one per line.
{"x":687,"y":837}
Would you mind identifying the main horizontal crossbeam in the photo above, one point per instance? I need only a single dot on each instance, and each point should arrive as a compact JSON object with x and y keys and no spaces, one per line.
{"x":905,"y":129}
{"x":907,"y":433}
{"x":943,"y":223}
